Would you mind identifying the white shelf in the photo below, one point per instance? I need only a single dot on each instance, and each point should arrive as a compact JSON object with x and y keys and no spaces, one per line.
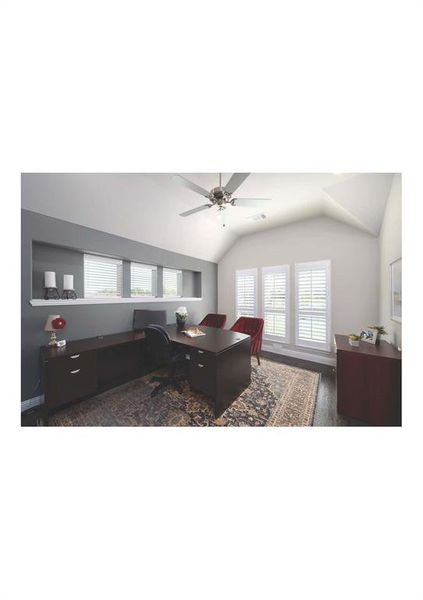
{"x":78,"y":301}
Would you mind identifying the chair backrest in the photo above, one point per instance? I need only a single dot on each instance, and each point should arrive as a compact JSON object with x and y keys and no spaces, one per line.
{"x":144,"y":317}
{"x":214,"y":320}
{"x":249,"y":325}
{"x":158,"y":343}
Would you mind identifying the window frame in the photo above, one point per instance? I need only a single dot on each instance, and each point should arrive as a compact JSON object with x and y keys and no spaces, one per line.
{"x":271,"y":337}
{"x":315,"y":265}
{"x":105,"y":259}
{"x":254,"y":272}
{"x":177,"y":271}
{"x":154,"y":269}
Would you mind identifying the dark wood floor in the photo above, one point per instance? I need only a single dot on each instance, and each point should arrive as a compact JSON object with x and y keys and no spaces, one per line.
{"x":326,"y":414}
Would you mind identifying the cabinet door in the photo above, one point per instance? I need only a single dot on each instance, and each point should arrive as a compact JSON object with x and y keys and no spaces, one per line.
{"x":351,"y":383}
{"x":384,"y":406}
{"x":202,"y":373}
{"x":68,"y":379}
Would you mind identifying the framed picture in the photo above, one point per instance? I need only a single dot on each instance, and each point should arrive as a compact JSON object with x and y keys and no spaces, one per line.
{"x":396,"y":290}
{"x":369,"y":335}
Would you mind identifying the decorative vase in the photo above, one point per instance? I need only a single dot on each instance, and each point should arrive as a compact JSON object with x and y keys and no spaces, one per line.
{"x":180,"y":323}
{"x":376,"y":334}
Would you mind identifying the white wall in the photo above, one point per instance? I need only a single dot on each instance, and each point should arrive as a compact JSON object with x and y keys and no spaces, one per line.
{"x":354,"y":259}
{"x":390,"y":250}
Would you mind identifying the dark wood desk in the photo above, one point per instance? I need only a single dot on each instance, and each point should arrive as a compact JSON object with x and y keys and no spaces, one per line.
{"x":219,"y":367}
{"x":368,"y":381}
{"x":220,"y":363}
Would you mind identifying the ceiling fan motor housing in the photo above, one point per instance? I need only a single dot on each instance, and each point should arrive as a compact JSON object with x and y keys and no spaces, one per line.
{"x":220,"y":196}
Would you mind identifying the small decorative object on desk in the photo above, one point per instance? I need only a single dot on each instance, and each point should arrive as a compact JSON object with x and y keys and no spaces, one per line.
{"x":181,"y":317}
{"x":379,"y":331}
{"x":193,"y":332}
{"x":369,"y":335}
{"x":68,"y":291}
{"x":54,"y":323}
{"x":50,"y":288}
{"x":354,"y":339}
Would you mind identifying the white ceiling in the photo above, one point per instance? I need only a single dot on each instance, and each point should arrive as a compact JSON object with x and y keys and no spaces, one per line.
{"x":146,"y":207}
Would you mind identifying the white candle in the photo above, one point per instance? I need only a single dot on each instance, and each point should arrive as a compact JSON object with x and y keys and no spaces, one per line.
{"x":68,"y":282}
{"x":50,"y":279}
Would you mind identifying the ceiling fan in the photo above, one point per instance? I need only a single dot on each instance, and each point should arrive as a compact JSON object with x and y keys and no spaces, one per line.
{"x":220,"y":196}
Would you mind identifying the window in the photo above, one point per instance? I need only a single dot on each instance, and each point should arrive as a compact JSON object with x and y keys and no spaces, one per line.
{"x":275,"y":302}
{"x":172,"y":283}
{"x":102,"y":277}
{"x":313,"y":304}
{"x":246,"y":293}
{"x":143,"y":280}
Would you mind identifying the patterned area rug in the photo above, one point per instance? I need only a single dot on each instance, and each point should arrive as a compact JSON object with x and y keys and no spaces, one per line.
{"x":279,"y":396}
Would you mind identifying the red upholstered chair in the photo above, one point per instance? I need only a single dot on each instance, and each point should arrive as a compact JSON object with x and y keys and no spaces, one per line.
{"x":252,"y":326}
{"x":212,"y":320}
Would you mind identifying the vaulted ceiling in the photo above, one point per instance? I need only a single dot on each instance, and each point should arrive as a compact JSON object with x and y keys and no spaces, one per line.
{"x":146,"y":207}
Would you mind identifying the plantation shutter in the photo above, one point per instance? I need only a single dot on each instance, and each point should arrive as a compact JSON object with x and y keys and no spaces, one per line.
{"x":275,"y":302}
{"x":172,"y":282}
{"x":313,"y":299}
{"x":246,"y":283}
{"x":143,"y":280}
{"x":102,"y":277}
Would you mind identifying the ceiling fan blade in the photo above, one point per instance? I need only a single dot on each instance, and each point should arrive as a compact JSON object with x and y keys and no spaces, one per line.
{"x":250,"y":201}
{"x":235,"y":181}
{"x":190,"y":185}
{"x":195,"y":210}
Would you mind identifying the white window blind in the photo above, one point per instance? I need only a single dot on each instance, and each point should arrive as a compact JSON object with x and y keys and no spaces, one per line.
{"x":143,"y":280}
{"x":275,"y":302}
{"x":313,"y":304}
{"x":102,"y":277}
{"x":172,"y":282}
{"x":246,"y":293}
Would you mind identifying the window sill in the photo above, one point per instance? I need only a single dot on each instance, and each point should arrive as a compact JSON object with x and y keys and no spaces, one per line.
{"x":78,"y":301}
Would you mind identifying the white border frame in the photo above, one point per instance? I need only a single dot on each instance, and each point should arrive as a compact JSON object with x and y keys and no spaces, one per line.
{"x":327,"y":264}
{"x":278,"y":269}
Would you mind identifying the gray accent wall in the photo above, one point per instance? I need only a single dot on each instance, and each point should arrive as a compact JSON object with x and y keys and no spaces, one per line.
{"x":96,"y":319}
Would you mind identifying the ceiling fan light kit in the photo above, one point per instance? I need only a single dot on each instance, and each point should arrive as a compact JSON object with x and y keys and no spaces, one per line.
{"x":220,"y":196}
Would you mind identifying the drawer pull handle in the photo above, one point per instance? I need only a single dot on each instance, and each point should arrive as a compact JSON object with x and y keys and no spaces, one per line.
{"x":75,"y":356}
{"x":200,"y":365}
{"x":74,"y":372}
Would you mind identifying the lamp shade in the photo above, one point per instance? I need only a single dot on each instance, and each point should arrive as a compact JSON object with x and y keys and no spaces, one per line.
{"x":54,"y":322}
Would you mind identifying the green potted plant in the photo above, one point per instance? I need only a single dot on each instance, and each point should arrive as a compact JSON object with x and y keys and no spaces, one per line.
{"x":354,"y":339}
{"x":380,"y":331}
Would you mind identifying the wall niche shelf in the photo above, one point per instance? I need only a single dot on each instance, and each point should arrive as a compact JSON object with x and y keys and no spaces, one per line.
{"x":81,"y":301}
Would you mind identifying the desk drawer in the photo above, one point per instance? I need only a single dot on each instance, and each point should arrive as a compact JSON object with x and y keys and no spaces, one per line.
{"x":201,"y":356}
{"x":70,"y":363}
{"x":202,"y":376}
{"x":69,"y":379}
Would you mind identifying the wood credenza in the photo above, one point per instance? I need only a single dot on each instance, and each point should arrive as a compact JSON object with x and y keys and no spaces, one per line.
{"x":368,"y":379}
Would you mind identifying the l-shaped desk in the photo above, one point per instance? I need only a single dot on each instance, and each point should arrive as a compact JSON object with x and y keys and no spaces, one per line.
{"x":219,"y":365}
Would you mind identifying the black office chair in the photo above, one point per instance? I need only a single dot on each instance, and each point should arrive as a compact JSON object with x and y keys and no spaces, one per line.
{"x":159,"y":348}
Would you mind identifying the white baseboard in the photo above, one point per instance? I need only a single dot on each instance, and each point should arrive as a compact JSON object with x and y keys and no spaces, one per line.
{"x":35,"y":401}
{"x":278,"y":349}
